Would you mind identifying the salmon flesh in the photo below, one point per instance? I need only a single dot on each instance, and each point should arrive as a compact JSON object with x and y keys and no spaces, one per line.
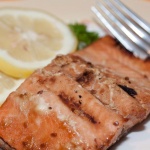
{"x":86,"y":100}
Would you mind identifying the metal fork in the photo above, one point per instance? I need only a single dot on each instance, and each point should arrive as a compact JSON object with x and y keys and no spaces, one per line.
{"x":131,"y":30}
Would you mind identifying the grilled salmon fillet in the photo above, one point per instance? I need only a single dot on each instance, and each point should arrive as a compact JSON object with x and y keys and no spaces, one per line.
{"x":58,"y":109}
{"x":99,"y":83}
{"x":110,"y":54}
{"x":78,"y":101}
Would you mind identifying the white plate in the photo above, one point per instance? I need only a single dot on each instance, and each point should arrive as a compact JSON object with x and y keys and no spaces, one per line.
{"x":76,"y":10}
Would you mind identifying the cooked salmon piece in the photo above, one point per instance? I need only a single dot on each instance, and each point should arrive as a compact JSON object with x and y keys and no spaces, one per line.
{"x":108,"y":53}
{"x":144,"y":84}
{"x":114,"y":59}
{"x":105,"y":88}
{"x":142,"y":93}
{"x":125,"y":57}
{"x":82,"y":101}
{"x":53,"y":111}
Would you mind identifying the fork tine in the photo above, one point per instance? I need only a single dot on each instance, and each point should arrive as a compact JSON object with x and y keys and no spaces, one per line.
{"x":110,"y":10}
{"x":135,"y":17}
{"x":118,"y":33}
{"x":122,"y":14}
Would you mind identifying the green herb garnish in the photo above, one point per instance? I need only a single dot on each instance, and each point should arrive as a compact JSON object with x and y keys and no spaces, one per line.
{"x":84,"y":37}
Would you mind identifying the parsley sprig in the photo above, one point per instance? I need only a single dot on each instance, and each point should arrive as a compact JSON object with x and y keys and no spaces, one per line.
{"x":84,"y":37}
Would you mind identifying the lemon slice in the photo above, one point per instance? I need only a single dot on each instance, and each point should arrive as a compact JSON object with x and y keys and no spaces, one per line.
{"x":7,"y":85}
{"x":30,"y":39}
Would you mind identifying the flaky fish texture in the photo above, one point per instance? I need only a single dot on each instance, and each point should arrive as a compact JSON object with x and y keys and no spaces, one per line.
{"x":81,"y":101}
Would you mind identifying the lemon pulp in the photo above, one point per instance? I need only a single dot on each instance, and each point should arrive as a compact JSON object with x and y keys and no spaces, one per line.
{"x":30,"y":39}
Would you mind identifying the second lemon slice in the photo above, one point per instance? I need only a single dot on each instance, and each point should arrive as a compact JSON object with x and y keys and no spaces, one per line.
{"x":7,"y":85}
{"x":30,"y":39}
